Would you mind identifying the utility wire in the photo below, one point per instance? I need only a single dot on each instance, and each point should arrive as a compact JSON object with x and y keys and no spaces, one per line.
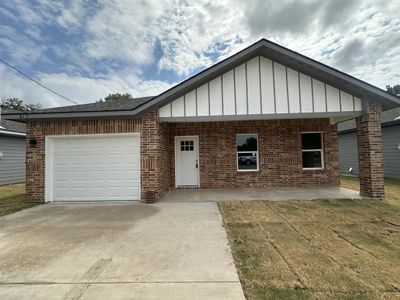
{"x":37,"y":82}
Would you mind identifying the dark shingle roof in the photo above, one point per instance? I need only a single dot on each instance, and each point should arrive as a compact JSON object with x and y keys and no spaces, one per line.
{"x":386,"y":117}
{"x":11,"y":125}
{"x":97,"y":107}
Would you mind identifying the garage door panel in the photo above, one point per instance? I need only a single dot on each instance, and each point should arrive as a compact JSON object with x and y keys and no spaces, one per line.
{"x":96,"y":168}
{"x":96,"y":176}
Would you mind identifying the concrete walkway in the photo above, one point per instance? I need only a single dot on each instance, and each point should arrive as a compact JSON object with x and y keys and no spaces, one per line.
{"x":117,"y":251}
{"x":215,"y":195}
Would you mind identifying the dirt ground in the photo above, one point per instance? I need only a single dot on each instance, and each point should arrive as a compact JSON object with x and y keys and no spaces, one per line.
{"x":339,"y":249}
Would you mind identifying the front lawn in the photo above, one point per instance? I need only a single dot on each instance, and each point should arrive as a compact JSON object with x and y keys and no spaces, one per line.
{"x":12,"y":199}
{"x":338,"y":249}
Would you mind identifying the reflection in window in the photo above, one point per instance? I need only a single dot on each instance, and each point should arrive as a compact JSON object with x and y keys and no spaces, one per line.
{"x":312,"y":150}
{"x":247,"y":152}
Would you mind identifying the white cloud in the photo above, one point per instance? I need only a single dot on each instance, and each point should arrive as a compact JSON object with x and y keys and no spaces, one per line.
{"x":180,"y":36}
{"x":21,"y":48}
{"x":77,"y":88}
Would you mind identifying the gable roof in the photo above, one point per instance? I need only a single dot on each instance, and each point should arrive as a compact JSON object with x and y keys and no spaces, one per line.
{"x":264,"y":48}
{"x":116,"y":105}
{"x":84,"y":110}
{"x":286,"y":57}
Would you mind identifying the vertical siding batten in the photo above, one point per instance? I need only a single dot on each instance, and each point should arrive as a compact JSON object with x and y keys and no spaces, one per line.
{"x":259,"y":82}
{"x":298,"y":79}
{"x":287,"y":90}
{"x":196,"y":102}
{"x":222,"y":95}
{"x":209,"y":100}
{"x":312,"y":95}
{"x":247,"y":88}
{"x":326,"y":98}
{"x":234,"y":90}
{"x":273,"y":81}
{"x":184,"y":105}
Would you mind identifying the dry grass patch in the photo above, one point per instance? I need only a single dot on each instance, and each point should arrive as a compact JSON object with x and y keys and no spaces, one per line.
{"x":392,"y":188}
{"x":12,"y":199}
{"x":321,"y":249}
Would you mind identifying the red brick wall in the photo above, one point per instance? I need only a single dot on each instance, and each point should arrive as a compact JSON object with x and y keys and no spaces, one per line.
{"x":370,"y":156}
{"x":279,"y":152}
{"x":150,"y":149}
{"x":155,"y":163}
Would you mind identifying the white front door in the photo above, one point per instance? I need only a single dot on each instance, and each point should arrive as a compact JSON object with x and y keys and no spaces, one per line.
{"x":187,"y":161}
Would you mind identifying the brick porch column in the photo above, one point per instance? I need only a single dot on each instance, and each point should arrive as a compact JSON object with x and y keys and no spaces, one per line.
{"x":370,"y":157}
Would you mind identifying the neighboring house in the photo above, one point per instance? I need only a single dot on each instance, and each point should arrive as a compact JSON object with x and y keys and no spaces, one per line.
{"x":264,"y":117}
{"x":12,"y":151}
{"x":348,"y":154}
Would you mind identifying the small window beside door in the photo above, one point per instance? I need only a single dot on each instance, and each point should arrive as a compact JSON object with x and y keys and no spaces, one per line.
{"x":247,"y":152}
{"x":312,"y":151}
{"x":187,"y":146}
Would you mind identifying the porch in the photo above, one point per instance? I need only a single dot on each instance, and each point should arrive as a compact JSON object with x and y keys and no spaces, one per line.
{"x":246,"y":194}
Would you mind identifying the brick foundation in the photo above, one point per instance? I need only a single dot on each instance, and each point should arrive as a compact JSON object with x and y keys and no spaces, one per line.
{"x":370,"y":157}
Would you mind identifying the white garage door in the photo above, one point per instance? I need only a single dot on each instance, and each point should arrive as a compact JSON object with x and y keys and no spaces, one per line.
{"x":93,"y":168}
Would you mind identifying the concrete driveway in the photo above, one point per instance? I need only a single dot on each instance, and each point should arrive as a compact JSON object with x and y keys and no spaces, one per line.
{"x":117,"y":251}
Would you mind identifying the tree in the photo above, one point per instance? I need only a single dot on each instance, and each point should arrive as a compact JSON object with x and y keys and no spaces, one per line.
{"x":116,"y":96}
{"x":394,"y":90}
{"x":18,"y":105}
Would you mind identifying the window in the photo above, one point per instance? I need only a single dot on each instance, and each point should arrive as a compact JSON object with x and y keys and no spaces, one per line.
{"x":187,"y":146}
{"x":312,"y":150}
{"x":247,"y":152}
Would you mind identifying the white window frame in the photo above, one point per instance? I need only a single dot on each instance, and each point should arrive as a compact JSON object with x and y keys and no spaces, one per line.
{"x":237,"y":153}
{"x":313,"y":150}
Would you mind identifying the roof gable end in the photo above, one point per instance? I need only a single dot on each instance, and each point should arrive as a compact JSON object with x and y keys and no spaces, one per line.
{"x":284,"y":56}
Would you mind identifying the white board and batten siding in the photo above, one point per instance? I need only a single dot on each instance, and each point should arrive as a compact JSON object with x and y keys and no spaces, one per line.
{"x":261,"y":87}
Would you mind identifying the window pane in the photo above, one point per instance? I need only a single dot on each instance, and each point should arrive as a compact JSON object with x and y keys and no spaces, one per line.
{"x":247,"y":161}
{"x":246,"y":143}
{"x":311,"y":141}
{"x":312,"y":159}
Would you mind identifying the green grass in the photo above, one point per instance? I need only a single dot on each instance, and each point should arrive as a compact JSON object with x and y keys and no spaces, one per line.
{"x":12,"y":199}
{"x":324,"y":249}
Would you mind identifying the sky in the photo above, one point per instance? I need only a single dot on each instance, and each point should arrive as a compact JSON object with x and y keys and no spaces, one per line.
{"x":86,"y":49}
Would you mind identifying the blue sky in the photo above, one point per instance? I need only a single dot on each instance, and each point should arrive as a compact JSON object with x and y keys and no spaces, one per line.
{"x":86,"y":49}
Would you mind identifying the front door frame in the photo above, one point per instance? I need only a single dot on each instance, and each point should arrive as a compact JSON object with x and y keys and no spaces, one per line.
{"x":176,"y":138}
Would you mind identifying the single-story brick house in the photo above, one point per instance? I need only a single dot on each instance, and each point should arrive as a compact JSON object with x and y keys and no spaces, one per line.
{"x":264,"y":117}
